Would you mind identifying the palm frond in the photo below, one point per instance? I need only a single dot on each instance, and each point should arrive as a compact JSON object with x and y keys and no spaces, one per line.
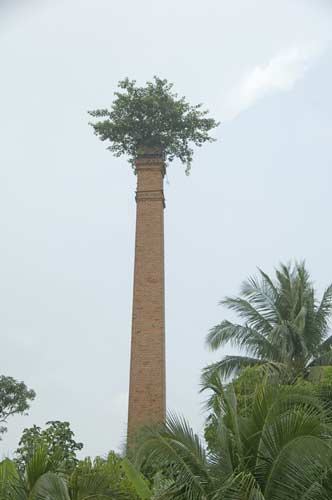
{"x":225,"y":332}
{"x":326,"y":345}
{"x":294,"y":286}
{"x":176,"y":446}
{"x":136,"y":479}
{"x":239,"y":486}
{"x":300,"y":463}
{"x":323,"y":360}
{"x":8,"y":475}
{"x":263,"y":295}
{"x":37,"y":465}
{"x":253,"y":318}
{"x":231,"y":365}
{"x":243,"y":337}
{"x":286,"y":427}
{"x":324,"y":311}
{"x":49,"y":486}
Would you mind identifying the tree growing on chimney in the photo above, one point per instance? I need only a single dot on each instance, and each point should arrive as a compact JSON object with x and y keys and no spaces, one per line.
{"x":153,"y":116}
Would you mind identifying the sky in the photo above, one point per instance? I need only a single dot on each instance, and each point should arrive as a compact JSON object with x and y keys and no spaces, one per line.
{"x":258,"y":196}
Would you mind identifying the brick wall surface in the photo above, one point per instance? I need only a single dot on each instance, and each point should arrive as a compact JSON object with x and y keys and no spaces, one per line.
{"x":147,"y":367}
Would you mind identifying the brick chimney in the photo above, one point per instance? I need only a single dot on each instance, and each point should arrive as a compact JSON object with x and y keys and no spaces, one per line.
{"x":147,"y":391}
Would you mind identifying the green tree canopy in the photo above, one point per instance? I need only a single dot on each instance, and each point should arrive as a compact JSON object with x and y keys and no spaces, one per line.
{"x":153,"y":116}
{"x":284,"y":328}
{"x":57,"y":438}
{"x":15,"y":399}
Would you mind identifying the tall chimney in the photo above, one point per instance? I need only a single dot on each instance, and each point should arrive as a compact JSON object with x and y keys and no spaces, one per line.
{"x":147,"y":391}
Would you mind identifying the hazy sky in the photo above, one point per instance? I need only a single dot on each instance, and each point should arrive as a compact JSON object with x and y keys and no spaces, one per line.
{"x":260,"y":195}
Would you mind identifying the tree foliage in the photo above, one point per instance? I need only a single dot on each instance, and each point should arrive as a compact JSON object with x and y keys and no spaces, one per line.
{"x":57,"y":438}
{"x":285,"y":328}
{"x":37,"y":481}
{"x":153,"y":116}
{"x":15,"y":399}
{"x":102,"y":476}
{"x":137,"y":480}
{"x":43,"y":479}
{"x":281,"y":450}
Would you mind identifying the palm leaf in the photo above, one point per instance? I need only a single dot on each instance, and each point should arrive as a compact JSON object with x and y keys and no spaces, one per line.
{"x":323,"y":360}
{"x":8,"y":475}
{"x":225,"y":332}
{"x":49,"y":486}
{"x":253,"y":318}
{"x":243,"y":337}
{"x":326,"y":345}
{"x":263,"y":295}
{"x":324,"y":311}
{"x":240,"y":486}
{"x":176,"y":447}
{"x":299,"y":464}
{"x":231,"y":365}
{"x":136,"y":479}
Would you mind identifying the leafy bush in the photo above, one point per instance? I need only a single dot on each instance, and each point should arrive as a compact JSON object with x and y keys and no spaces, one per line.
{"x":57,"y":438}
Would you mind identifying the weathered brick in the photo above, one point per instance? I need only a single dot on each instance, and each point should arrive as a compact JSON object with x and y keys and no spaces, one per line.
{"x":147,"y":391}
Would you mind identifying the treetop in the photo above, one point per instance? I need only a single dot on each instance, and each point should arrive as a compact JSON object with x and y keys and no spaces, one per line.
{"x":153,"y":116}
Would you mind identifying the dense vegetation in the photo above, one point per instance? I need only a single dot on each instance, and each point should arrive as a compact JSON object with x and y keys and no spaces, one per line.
{"x":280,"y":450}
{"x":153,"y":116}
{"x":268,"y":433}
{"x":45,"y":478}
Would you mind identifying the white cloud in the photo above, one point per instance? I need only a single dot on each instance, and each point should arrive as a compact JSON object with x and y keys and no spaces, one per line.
{"x":280,"y":74}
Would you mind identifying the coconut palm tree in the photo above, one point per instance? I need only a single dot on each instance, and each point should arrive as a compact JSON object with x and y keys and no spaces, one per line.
{"x":280,"y":451}
{"x":284,"y":326}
